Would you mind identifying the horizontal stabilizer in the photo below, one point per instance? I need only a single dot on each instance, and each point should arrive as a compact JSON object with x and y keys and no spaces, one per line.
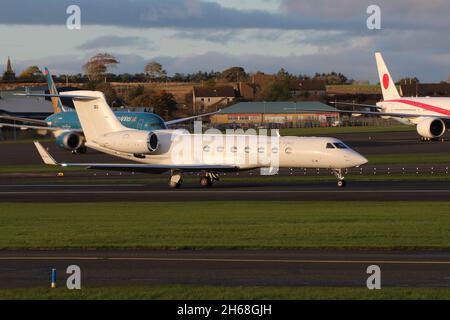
{"x":46,"y":157}
{"x":76,"y":97}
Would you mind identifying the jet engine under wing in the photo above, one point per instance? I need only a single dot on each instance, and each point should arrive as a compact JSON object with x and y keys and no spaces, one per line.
{"x":156,"y":168}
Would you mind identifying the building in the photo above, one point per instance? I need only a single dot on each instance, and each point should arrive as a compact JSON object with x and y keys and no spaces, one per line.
{"x":416,"y":89}
{"x":210,"y":98}
{"x":300,"y":88}
{"x":9,"y":74}
{"x":286,"y":114}
{"x":28,"y":107}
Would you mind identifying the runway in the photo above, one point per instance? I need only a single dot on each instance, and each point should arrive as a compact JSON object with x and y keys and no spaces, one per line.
{"x":226,"y":267}
{"x":242,"y":191}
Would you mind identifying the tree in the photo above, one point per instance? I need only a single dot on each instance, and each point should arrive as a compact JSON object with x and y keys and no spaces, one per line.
{"x":154,"y":70}
{"x":31,"y":73}
{"x":162,"y":102}
{"x":275,"y":90}
{"x":234,"y":74}
{"x":98,"y":65}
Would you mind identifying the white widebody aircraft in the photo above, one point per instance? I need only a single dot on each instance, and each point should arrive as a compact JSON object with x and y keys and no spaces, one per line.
{"x":430,"y":115}
{"x":178,"y":151}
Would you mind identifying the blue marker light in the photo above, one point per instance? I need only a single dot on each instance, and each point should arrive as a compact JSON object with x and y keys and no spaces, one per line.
{"x":53,"y":286}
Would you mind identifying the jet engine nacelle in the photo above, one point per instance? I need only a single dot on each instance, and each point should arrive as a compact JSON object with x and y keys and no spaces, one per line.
{"x":431,"y":128}
{"x":137,"y":142}
{"x":70,"y":140}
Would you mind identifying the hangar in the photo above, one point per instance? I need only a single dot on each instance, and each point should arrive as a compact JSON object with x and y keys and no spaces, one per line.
{"x":283,"y":114}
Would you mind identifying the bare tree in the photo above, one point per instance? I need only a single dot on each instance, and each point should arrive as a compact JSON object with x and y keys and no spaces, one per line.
{"x":98,"y":65}
{"x":154,"y":70}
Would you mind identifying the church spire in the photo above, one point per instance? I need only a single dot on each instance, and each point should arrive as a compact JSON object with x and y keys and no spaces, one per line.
{"x":9,"y":73}
{"x":8,"y":66}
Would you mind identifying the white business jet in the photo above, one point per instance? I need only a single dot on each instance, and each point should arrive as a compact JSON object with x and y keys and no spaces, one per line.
{"x":178,"y":152}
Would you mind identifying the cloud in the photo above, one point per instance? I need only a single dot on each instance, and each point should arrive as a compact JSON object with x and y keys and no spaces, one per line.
{"x":111,"y":41}
{"x":169,"y":13}
{"x":401,"y":14}
{"x":354,"y":60}
{"x":213,"y":36}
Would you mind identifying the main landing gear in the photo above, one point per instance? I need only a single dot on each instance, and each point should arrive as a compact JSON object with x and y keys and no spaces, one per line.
{"x":341,"y":182}
{"x":206,"y":181}
{"x":175,"y":180}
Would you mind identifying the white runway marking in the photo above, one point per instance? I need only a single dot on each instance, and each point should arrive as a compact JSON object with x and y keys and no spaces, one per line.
{"x":163,"y":259}
{"x":223,"y":191}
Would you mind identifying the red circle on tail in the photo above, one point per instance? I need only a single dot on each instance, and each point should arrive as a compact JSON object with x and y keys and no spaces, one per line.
{"x":386,"y":81}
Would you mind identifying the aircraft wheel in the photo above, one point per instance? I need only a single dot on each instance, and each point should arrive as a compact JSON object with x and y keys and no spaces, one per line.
{"x":175,"y":182}
{"x":206,"y":181}
{"x":175,"y":185}
{"x":341,"y":183}
{"x":82,"y":150}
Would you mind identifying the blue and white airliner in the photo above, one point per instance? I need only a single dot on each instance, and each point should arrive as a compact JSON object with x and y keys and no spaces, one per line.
{"x":65,"y":125}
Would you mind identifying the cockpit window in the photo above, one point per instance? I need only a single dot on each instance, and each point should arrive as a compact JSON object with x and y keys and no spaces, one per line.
{"x":340,"y":145}
{"x":330,"y":146}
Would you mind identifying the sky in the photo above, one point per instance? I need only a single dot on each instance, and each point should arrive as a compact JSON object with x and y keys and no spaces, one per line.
{"x":302,"y":36}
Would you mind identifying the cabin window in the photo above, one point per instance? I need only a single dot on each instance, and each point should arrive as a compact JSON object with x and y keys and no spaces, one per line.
{"x":340,"y":145}
{"x":247,"y":149}
{"x":234,"y":149}
{"x":261,"y":150}
{"x":288,"y":150}
{"x":330,"y":146}
{"x":219,"y":149}
{"x":206,"y":148}
{"x":275,"y":150}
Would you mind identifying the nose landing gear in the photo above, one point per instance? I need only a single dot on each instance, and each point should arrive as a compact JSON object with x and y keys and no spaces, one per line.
{"x":341,"y":182}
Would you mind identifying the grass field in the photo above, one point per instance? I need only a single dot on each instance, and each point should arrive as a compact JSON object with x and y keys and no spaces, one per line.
{"x":410,"y":158}
{"x":227,"y":293}
{"x":226,"y":225}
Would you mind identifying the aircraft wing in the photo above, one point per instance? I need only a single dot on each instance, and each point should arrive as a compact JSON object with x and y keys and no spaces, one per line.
{"x":19,"y":119}
{"x":388,"y":114}
{"x":49,"y":160}
{"x":26,"y":127}
{"x":357,"y":104}
{"x":379,"y":114}
{"x":172,"y":122}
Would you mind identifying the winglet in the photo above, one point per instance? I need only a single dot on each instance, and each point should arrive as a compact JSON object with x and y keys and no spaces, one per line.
{"x":46,"y":157}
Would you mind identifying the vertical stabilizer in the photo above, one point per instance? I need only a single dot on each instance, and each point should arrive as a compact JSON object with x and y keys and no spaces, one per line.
{"x":56,"y":102}
{"x":96,"y":117}
{"x":387,"y":84}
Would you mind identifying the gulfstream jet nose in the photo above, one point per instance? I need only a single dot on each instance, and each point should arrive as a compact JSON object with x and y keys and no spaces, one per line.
{"x":357,"y":159}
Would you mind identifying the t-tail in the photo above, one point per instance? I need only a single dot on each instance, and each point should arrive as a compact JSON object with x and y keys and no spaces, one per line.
{"x":56,"y":102}
{"x":96,"y":117}
{"x":387,"y":84}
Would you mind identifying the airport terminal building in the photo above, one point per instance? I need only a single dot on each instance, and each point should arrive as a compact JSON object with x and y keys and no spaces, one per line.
{"x":277,"y":114}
